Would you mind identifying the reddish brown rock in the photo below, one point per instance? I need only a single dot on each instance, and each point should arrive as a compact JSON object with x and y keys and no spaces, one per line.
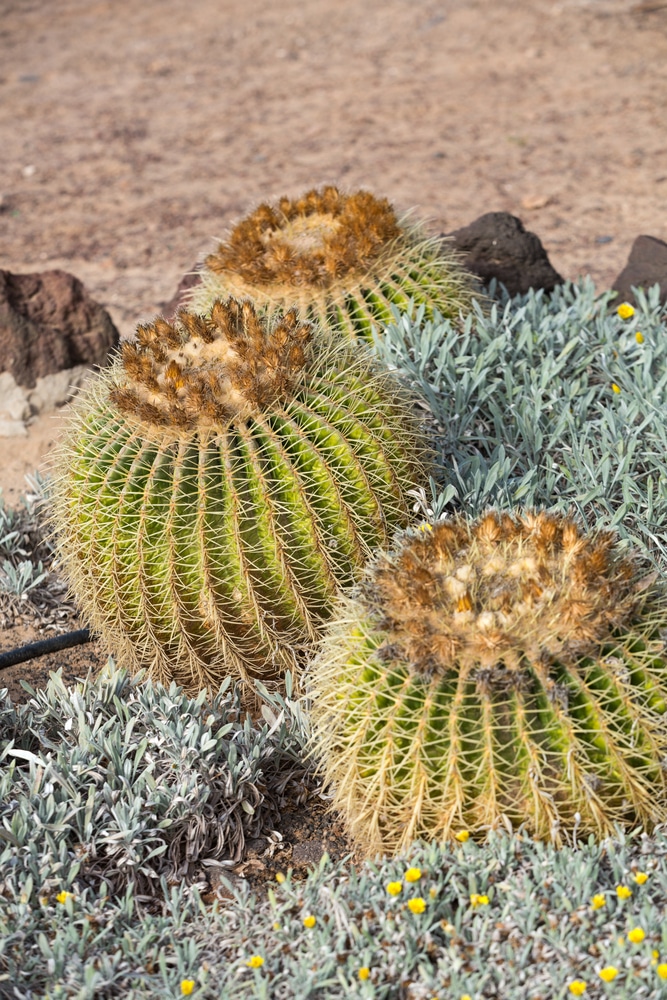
{"x":189,"y":280}
{"x":48,"y":322}
{"x":646,"y":266}
{"x":496,"y":245}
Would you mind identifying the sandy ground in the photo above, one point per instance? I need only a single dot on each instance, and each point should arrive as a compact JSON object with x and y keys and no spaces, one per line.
{"x":132,"y":135}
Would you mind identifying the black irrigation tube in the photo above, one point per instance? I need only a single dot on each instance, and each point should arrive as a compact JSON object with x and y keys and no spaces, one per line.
{"x":34,"y":649}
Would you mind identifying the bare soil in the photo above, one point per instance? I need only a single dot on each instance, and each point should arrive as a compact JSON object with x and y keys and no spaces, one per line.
{"x":133,"y":135}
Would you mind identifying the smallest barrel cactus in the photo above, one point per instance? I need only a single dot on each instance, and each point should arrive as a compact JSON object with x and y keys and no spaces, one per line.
{"x":505,"y":671}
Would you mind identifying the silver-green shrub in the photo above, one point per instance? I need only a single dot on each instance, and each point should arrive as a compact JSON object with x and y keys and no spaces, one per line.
{"x":524,"y":410}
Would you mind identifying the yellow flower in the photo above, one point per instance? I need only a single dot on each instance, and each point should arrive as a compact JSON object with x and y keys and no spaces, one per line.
{"x":609,"y":973}
{"x":623,"y":892}
{"x":63,"y":896}
{"x":639,"y":337}
{"x":394,"y":888}
{"x":615,"y":387}
{"x":598,"y":901}
{"x":662,"y":970}
{"x":363,"y":973}
{"x":462,"y":836}
{"x":636,"y":935}
{"x":413,"y":875}
{"x":255,"y":962}
{"x":276,"y":926}
{"x":640,"y":877}
{"x":280,"y":877}
{"x":187,"y":986}
{"x":433,"y":892}
{"x":426,"y":527}
{"x":416,"y":905}
{"x":309,"y":921}
{"x":625,"y":310}
{"x":577,"y":987}
{"x":466,"y":996}
{"x":477,"y":900}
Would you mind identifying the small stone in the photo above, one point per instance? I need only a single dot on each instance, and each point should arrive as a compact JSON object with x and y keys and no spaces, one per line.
{"x":308,"y":852}
{"x":189,"y":280}
{"x":496,"y":245}
{"x":647,"y":264}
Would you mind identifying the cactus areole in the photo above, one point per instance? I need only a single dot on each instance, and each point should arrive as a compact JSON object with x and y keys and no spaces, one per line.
{"x":343,"y":259}
{"x":220,"y":482}
{"x":505,"y":671}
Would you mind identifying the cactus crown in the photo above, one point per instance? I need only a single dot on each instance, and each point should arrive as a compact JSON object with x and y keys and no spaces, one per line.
{"x":313,"y":240}
{"x":201,"y":371}
{"x":500,"y":593}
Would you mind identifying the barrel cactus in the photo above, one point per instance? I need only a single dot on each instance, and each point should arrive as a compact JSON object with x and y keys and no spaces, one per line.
{"x":217,"y":485}
{"x":510,"y":670}
{"x":343,"y":260}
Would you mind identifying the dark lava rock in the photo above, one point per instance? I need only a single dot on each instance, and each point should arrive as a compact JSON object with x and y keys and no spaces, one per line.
{"x":497,"y":246}
{"x":647,"y":264}
{"x":189,"y":280}
{"x":48,"y":323}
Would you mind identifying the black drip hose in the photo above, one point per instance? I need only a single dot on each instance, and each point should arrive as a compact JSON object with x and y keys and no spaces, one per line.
{"x":33,"y":649}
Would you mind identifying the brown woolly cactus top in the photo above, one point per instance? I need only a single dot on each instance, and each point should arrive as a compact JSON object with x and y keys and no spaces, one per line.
{"x":500,"y":592}
{"x":201,"y":371}
{"x":313,"y":240}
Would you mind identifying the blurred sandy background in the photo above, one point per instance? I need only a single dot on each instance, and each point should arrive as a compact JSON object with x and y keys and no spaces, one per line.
{"x":132,"y":135}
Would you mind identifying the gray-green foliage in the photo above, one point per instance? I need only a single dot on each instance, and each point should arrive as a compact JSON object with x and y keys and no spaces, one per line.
{"x":536,"y":934}
{"x":21,"y":568}
{"x":120,"y":783}
{"x":523,"y":408}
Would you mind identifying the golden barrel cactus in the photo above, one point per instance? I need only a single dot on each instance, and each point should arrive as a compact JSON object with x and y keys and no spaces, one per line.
{"x":509,"y":670}
{"x":220,"y":482}
{"x":342,"y":259}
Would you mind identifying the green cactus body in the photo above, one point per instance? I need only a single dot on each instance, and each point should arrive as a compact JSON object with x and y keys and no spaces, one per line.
{"x":219,"y":483}
{"x":505,"y":671}
{"x":342,"y":260}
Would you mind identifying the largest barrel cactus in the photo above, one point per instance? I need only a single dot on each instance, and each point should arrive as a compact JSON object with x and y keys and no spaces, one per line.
{"x":220,"y":482}
{"x":343,"y":260}
{"x":509,"y":670}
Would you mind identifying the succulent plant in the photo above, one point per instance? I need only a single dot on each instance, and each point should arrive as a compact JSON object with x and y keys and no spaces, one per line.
{"x":343,"y":260}
{"x":219,"y":482}
{"x":508,"y":670}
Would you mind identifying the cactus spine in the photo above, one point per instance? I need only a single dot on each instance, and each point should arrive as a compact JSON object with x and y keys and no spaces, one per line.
{"x":508,"y":670}
{"x":218,"y":484}
{"x":342,"y":260}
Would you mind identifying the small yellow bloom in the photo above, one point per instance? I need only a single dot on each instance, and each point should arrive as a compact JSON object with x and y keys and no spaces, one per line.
{"x":598,"y":901}
{"x":639,"y":337}
{"x":187,"y":986}
{"x":44,"y":900}
{"x":609,"y":973}
{"x":636,"y":935}
{"x":462,"y":836}
{"x":276,"y":926}
{"x":577,"y":987}
{"x":466,"y":996}
{"x":280,"y":877}
{"x":413,"y":875}
{"x":417,"y":905}
{"x":363,"y":973}
{"x":394,"y":888}
{"x":623,"y":892}
{"x":426,"y":527}
{"x":662,"y":970}
{"x":309,"y":921}
{"x":255,"y":962}
{"x":433,"y":892}
{"x":63,"y":896}
{"x":477,"y":900}
{"x":615,"y":387}
{"x":625,"y":310}
{"x":640,"y":877}
{"x":655,"y":954}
